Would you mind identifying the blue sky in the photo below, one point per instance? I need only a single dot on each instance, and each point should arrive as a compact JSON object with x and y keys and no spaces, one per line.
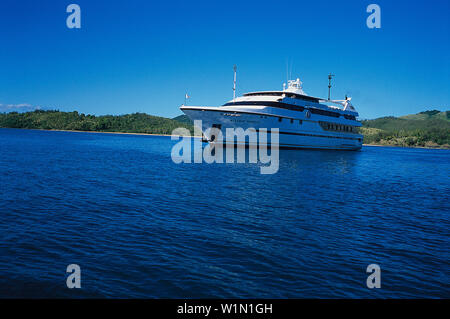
{"x":142,"y":56}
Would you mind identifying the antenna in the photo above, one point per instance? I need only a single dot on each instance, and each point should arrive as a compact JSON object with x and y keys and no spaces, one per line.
{"x":234,"y":82}
{"x":287,"y":70}
{"x":290,"y":70}
{"x":330,"y":76}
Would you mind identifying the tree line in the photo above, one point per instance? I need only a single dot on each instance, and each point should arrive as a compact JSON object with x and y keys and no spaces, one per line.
{"x":56,"y":120}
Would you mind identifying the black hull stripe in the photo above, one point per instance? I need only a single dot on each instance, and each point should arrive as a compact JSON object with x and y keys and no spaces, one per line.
{"x":243,"y":112}
{"x":293,"y":107}
{"x":258,"y":113}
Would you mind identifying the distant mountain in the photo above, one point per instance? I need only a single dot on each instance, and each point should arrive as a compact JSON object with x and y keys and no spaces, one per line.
{"x":424,"y":129}
{"x":19,"y":108}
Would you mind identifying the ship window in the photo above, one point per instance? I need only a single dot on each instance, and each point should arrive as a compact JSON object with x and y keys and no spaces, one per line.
{"x":300,"y":122}
{"x":349,"y":117}
{"x":268,"y":103}
{"x":292,"y":121}
{"x":324,"y":112}
{"x":280,"y":119}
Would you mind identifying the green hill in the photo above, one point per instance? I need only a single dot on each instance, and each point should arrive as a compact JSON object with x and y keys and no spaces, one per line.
{"x":427,"y":115}
{"x":424,"y":129}
{"x":56,"y":120}
{"x":183,"y":119}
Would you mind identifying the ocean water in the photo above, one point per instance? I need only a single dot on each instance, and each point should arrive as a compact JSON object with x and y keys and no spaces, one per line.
{"x":139,"y":225}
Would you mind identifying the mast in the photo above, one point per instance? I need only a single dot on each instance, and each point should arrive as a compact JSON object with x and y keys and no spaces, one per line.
{"x":234,"y":82}
{"x":330,"y":76}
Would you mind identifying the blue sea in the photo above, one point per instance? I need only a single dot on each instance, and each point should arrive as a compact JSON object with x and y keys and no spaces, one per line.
{"x":141,"y":226}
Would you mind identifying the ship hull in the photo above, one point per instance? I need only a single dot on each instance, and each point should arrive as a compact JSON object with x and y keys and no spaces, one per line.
{"x":294,"y":133}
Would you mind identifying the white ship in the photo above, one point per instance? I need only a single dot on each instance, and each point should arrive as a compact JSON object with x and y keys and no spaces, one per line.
{"x":303,"y":121}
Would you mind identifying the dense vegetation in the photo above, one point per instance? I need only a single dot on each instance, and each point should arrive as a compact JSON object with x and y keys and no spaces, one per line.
{"x":55,"y":120}
{"x":425,"y":129}
{"x":183,"y":119}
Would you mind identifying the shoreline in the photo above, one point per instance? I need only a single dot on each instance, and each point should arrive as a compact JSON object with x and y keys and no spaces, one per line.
{"x":101,"y":132}
{"x":424,"y":147}
{"x":169,"y":135}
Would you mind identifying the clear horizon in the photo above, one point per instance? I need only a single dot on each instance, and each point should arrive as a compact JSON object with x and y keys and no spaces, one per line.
{"x":143,"y":57}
